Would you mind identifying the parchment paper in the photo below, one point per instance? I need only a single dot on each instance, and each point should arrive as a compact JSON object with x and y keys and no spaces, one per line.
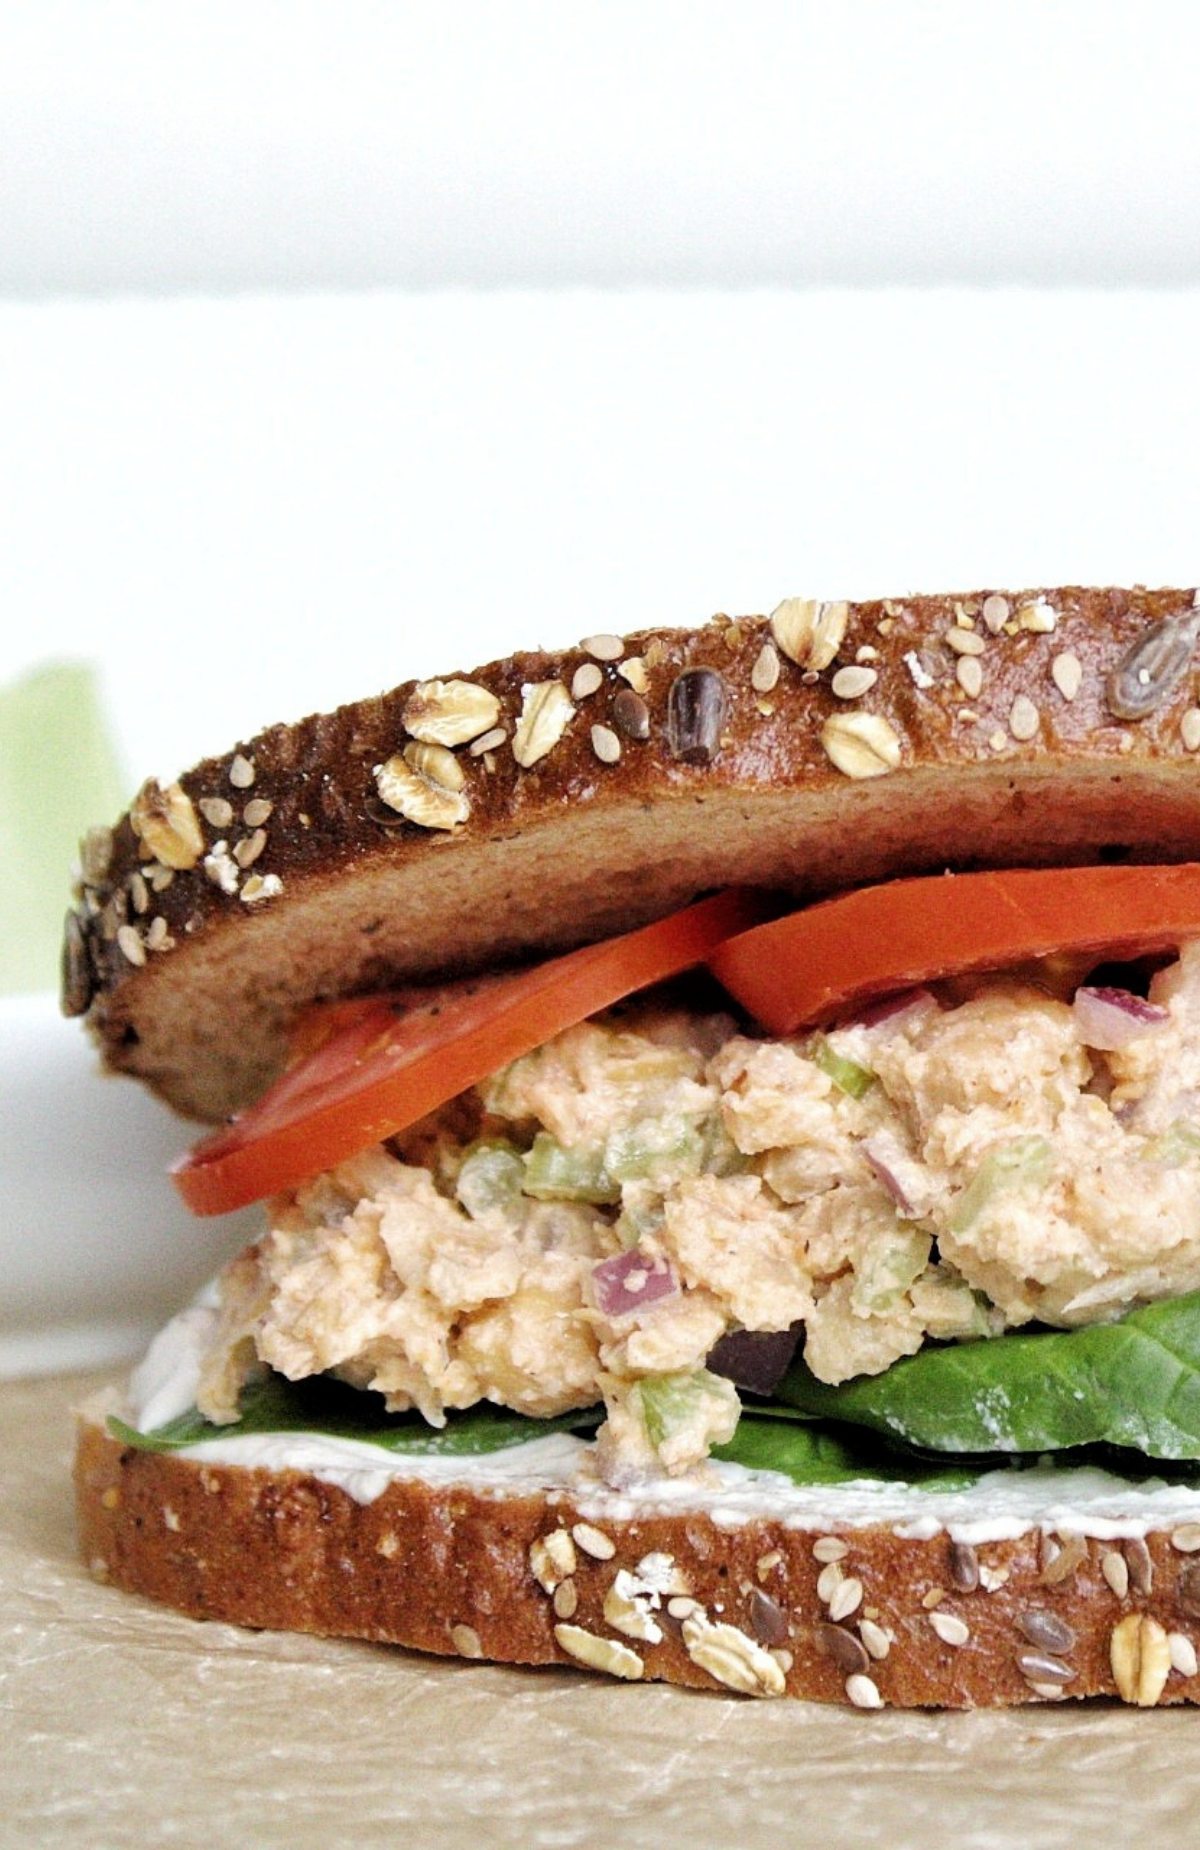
{"x":122,"y":1724}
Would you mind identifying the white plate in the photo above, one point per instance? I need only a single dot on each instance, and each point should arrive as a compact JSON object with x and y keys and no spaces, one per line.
{"x":96,"y":1249}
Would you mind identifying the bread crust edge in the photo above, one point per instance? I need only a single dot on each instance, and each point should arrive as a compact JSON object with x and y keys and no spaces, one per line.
{"x":864,"y":1616}
{"x":925,"y":740}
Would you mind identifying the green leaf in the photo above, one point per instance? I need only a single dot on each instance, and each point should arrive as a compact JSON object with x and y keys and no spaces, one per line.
{"x":323,"y":1405}
{"x":767,"y":1439}
{"x":1133,"y":1384}
{"x":812,"y":1454}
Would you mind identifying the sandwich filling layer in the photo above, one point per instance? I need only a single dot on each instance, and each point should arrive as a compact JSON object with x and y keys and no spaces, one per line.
{"x":656,"y":1205}
{"x":997,"y":1505}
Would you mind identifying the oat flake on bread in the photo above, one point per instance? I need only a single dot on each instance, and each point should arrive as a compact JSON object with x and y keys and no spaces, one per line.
{"x":513,"y":811}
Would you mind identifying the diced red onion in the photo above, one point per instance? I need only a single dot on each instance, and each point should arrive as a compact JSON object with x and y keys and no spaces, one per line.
{"x":887,"y":1175}
{"x":756,"y":1360}
{"x":1108,"y":1019}
{"x":872,"y":1013}
{"x":630,"y":1282}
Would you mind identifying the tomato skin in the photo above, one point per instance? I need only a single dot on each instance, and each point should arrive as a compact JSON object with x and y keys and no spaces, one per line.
{"x":815,"y":965}
{"x":371,"y":1066}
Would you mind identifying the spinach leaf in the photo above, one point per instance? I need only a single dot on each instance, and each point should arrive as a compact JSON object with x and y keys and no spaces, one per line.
{"x":1133,"y":1384}
{"x":1130,"y":1389}
{"x":767,"y":1439}
{"x":811,"y":1454}
{"x":323,"y":1405}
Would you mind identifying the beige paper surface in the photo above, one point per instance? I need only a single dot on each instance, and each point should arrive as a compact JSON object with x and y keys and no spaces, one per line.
{"x":121,"y":1724}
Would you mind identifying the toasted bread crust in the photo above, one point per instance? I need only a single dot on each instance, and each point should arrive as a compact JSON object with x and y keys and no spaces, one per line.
{"x":681,"y":761}
{"x":1043,"y":1617}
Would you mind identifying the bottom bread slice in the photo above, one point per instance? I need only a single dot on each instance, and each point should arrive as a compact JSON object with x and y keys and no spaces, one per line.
{"x":870,"y":1613}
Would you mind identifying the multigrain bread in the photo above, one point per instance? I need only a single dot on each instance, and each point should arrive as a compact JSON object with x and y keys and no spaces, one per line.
{"x":761,"y":1605}
{"x":552,"y":799}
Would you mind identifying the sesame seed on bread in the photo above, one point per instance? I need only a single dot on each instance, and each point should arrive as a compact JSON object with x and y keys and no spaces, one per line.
{"x":550,"y":799}
{"x":720,"y":1599}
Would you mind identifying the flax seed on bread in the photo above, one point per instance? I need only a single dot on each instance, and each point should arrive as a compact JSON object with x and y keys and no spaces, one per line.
{"x":542,"y":802}
{"x":757,"y":1605}
{"x":554,"y":798}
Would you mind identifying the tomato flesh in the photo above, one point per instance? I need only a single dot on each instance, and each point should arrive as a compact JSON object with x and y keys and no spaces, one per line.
{"x":371,"y":1066}
{"x":816,"y":965}
{"x":368,"y":1067}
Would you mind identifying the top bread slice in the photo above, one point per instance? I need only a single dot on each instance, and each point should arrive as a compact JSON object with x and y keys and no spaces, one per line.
{"x":551,"y":799}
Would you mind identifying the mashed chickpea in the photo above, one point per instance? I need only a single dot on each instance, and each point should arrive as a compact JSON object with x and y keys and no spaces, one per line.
{"x":589,"y":1225}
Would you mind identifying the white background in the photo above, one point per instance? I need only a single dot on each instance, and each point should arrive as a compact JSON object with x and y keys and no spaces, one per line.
{"x":344,"y":341}
{"x":341,"y":342}
{"x":154,"y":144}
{"x":255,"y":507}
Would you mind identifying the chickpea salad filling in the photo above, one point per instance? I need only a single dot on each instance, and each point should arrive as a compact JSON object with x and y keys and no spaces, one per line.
{"x":660,"y":1212}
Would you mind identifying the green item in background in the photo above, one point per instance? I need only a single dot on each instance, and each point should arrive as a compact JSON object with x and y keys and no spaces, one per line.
{"x":59,"y":776}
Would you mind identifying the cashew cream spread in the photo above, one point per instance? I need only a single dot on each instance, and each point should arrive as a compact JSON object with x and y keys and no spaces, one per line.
{"x":1000,"y":1506}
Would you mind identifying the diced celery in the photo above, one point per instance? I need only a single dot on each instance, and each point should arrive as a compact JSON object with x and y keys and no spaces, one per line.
{"x":642,"y":1212}
{"x":552,"y":1172}
{"x":490,"y":1178}
{"x":640,"y":1069}
{"x":655,"y":1146}
{"x":847,"y":1075}
{"x":1024,"y":1164}
{"x":889,"y":1266}
{"x":664,"y":1403}
{"x":721,"y":1154}
{"x":1179,"y":1143}
{"x":983,"y":1319}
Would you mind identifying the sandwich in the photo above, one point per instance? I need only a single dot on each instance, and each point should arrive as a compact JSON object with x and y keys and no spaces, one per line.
{"x":725,"y":1109}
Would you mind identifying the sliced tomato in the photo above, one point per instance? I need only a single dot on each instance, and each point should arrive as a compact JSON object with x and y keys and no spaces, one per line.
{"x":370,"y":1066}
{"x":832,"y":958}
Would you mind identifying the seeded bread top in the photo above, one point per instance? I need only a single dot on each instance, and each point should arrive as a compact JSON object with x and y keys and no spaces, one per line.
{"x":550,"y":799}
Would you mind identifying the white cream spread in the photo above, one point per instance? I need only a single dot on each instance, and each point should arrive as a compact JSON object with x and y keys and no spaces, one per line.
{"x":166,"y":1380}
{"x":1000,"y":1506}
